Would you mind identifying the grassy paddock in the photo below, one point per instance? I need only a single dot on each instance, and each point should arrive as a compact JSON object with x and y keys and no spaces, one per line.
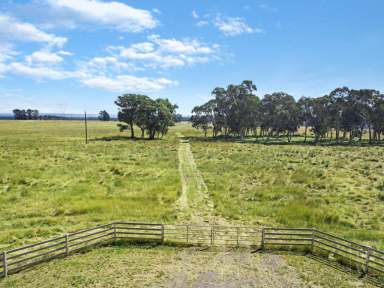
{"x":52,"y":182}
{"x":337,"y":188}
{"x":145,"y":266}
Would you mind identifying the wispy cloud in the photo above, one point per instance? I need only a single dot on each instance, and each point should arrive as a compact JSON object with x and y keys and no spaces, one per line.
{"x":202,"y":23}
{"x":39,"y":72}
{"x":166,"y":53}
{"x":232,"y":26}
{"x":11,"y":29}
{"x":114,"y":14}
{"x":44,"y":56}
{"x":128,"y":83}
{"x":195,"y":15}
{"x":229,"y":26}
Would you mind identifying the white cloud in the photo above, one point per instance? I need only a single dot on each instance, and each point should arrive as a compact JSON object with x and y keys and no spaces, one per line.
{"x":202,"y":23}
{"x":166,"y":53}
{"x":104,"y":66}
{"x":39,"y":72}
{"x":184,"y":46}
{"x":93,"y":78}
{"x":116,"y":14}
{"x":194,"y":14}
{"x":44,"y":57}
{"x":128,"y":83}
{"x":232,"y":26}
{"x":65,"y":53}
{"x":13,"y":29}
{"x":108,"y":73}
{"x":6,"y":54}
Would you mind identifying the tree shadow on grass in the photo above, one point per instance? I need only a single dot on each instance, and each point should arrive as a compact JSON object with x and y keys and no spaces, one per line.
{"x":122,"y":138}
{"x":332,"y":264}
{"x":296,"y":140}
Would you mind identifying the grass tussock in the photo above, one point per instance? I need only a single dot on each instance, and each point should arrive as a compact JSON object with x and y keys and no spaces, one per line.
{"x":335,"y":188}
{"x":51,"y":182}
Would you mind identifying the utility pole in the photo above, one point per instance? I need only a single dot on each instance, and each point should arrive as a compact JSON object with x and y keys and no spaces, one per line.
{"x":86,"y":127}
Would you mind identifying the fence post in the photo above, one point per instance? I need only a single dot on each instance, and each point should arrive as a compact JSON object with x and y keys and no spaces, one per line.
{"x":162,"y":233}
{"x":367,"y":258}
{"x":313,"y":240}
{"x":5,"y":264}
{"x":114,"y":232}
{"x":212,"y":237}
{"x":237,"y":235}
{"x":67,"y":244}
{"x":187,"y":234}
{"x":262,"y":239}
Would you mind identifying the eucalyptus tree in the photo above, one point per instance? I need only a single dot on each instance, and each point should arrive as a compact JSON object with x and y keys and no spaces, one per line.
{"x":280,"y":114}
{"x":338,"y":102}
{"x":304,"y":105}
{"x":104,"y":116}
{"x":151,"y":116}
{"x":128,"y":107}
{"x":363,"y":102}
{"x":319,"y":116}
{"x":202,"y":117}
{"x":229,"y":111}
{"x":378,"y":117}
{"x":237,"y":111}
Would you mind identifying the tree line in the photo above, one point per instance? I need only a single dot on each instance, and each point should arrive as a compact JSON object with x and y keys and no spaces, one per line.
{"x":25,"y":114}
{"x":342,"y":114}
{"x":153,"y":117}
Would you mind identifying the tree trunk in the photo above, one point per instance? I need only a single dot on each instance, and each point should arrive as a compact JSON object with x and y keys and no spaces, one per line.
{"x":132,"y":131}
{"x":337,"y":134}
{"x":305,"y":133}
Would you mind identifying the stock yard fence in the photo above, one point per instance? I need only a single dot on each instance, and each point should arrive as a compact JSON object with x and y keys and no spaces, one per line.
{"x":361,"y":258}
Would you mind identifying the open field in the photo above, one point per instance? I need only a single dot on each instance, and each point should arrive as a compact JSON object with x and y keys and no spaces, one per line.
{"x":51,"y":183}
{"x":337,"y":189}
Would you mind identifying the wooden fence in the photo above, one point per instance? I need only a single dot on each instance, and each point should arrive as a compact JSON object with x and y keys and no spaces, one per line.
{"x":364,"y":259}
{"x":213,"y":235}
{"x":359,"y":257}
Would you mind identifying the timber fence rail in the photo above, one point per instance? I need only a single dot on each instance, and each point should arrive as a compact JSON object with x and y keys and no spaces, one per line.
{"x":361,"y":258}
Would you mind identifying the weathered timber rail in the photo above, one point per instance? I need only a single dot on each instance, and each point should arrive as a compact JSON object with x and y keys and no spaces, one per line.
{"x":361,"y":258}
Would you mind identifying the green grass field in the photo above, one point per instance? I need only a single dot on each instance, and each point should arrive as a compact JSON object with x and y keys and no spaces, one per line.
{"x":145,"y":266}
{"x":51,"y":183}
{"x":337,"y":189}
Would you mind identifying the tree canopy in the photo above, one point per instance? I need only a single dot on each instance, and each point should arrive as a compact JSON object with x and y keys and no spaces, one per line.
{"x":153,"y":117}
{"x":237,"y":111}
{"x":22,"y":114}
{"x":104,"y":116}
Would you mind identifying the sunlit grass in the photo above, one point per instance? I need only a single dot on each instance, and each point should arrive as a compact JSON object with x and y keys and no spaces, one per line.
{"x":335,"y":188}
{"x":52,"y":182}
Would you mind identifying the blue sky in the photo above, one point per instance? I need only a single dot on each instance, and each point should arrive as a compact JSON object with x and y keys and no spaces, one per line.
{"x":67,"y":56}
